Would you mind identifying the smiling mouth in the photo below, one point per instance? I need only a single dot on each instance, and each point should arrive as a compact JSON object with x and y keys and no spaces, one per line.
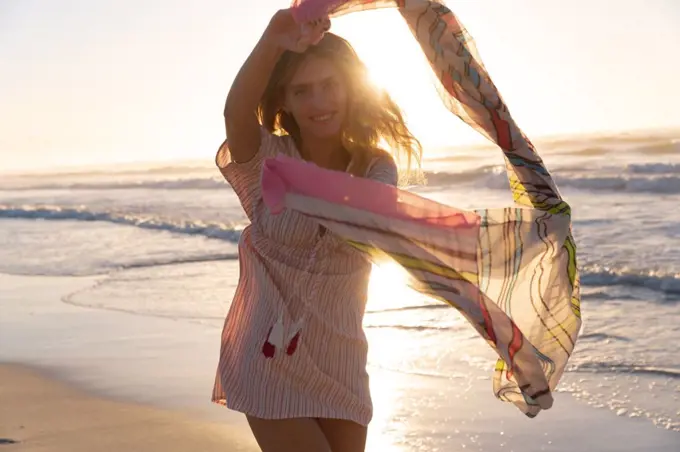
{"x":323,"y":118}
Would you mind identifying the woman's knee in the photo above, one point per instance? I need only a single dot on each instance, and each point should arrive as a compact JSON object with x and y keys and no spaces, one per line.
{"x":288,"y":435}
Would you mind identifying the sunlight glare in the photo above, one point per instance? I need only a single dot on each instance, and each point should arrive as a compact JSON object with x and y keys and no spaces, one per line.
{"x":396,"y":63}
{"x":388,"y":288}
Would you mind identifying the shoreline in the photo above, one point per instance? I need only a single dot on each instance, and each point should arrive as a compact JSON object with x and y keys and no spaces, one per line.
{"x":167,"y":366}
{"x":106,"y":353}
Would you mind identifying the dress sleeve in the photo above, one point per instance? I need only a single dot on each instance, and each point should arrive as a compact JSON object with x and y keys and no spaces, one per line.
{"x":384,"y":170}
{"x":244,"y":177}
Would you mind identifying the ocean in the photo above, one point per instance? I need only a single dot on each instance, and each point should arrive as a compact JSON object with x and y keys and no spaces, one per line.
{"x":164,"y":239}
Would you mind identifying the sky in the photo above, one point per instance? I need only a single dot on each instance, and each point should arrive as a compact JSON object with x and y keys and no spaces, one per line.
{"x":87,"y":82}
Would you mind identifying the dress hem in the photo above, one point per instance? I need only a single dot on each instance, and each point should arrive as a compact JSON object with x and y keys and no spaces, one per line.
{"x":313,"y":414}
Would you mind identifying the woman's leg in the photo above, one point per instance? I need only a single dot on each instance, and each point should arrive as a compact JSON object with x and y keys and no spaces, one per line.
{"x":289,"y":435}
{"x":344,"y":436}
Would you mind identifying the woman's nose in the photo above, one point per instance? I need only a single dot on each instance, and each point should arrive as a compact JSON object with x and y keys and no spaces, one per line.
{"x":321,"y":99}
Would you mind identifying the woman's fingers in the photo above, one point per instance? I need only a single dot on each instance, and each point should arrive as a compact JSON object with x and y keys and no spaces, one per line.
{"x":315,"y":30}
{"x":298,"y":37}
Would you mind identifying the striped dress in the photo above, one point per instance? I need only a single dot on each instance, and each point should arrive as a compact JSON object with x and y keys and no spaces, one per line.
{"x":288,"y":269}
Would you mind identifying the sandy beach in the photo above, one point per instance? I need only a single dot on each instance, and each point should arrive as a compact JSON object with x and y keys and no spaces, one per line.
{"x":92,"y":379}
{"x":38,"y":413}
{"x":78,"y":379}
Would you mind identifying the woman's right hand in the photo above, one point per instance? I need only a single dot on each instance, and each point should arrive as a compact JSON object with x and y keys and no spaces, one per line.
{"x":288,"y":34}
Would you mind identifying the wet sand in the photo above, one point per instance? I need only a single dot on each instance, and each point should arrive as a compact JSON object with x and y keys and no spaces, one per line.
{"x":38,"y":413}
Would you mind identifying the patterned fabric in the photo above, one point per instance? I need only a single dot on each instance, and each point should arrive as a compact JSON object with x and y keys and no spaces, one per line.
{"x":511,"y":272}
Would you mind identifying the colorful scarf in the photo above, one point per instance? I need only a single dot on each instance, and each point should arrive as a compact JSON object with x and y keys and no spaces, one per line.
{"x":510,"y":271}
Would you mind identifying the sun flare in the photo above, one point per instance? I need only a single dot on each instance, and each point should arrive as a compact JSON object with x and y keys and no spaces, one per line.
{"x":396,"y":63}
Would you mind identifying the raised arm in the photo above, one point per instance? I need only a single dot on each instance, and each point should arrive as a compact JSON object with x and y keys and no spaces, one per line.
{"x":240,"y":109}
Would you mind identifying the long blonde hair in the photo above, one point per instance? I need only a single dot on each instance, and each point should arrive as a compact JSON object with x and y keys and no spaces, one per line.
{"x":373,"y":118}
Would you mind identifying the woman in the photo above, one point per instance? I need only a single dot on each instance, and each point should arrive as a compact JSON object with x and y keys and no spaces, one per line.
{"x":293,"y":354}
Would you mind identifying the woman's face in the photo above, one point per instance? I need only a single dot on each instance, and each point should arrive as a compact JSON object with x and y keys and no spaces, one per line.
{"x":317,"y":98}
